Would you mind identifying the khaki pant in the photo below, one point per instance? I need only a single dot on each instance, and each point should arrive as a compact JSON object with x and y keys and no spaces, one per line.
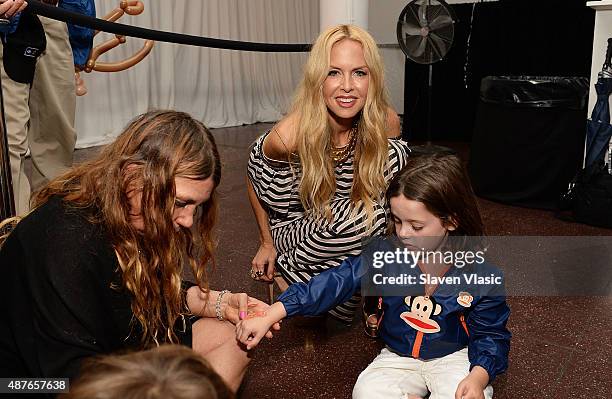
{"x":40,"y":116}
{"x":391,"y":376}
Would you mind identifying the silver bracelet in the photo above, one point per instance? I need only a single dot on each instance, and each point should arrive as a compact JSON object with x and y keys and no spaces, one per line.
{"x":218,"y":304}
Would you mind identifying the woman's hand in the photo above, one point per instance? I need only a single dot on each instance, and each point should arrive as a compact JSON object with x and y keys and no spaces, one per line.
{"x":262,"y":266}
{"x":241,"y":306}
{"x":9,"y":8}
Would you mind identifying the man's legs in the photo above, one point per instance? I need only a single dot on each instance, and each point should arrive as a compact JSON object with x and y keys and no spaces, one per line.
{"x":17,"y":115}
{"x":52,"y":107}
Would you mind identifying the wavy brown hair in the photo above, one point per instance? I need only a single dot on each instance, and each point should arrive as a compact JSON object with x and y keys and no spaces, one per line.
{"x":153,"y":149}
{"x":440,"y":181}
{"x":167,"y":372}
{"x":318,"y":183}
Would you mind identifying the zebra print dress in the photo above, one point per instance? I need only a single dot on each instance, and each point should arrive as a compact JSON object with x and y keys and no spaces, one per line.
{"x":307,"y":246}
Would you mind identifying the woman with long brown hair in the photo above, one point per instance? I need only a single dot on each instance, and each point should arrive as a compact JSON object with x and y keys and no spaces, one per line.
{"x":317,"y":178}
{"x":97,"y":265}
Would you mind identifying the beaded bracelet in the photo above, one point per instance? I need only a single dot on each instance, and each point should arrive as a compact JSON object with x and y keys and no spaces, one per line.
{"x":218,"y":304}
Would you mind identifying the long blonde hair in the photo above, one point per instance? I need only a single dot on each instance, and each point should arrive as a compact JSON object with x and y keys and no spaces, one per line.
{"x":313,"y":137}
{"x":153,"y":149}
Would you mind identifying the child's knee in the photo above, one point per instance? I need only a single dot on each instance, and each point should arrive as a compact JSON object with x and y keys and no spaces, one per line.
{"x":359,"y":391}
{"x":366,"y":386}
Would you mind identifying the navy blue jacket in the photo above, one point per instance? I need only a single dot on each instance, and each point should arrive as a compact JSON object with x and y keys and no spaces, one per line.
{"x":419,"y":326}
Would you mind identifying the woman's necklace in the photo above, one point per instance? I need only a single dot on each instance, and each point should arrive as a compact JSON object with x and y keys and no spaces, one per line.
{"x":341,"y":154}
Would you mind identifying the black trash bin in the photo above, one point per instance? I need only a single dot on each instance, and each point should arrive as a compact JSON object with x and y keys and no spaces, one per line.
{"x":528,"y":140}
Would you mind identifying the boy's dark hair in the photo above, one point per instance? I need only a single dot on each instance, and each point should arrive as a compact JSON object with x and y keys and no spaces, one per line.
{"x":440,"y":181}
{"x":165,"y":372}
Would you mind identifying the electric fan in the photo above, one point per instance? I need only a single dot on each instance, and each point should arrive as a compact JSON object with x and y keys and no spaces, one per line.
{"x":425,"y":32}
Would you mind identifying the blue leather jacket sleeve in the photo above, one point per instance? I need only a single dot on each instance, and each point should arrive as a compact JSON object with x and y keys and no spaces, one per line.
{"x":489,"y":342}
{"x":323,"y":291}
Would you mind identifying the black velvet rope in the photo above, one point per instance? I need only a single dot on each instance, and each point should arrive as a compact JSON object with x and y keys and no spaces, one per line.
{"x":59,"y":14}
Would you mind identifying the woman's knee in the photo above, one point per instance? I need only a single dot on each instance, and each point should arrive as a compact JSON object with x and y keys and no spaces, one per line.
{"x":216,"y":341}
{"x":210,"y":334}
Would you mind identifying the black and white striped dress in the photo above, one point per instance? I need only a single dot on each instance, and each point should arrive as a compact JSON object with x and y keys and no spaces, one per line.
{"x":307,"y":246}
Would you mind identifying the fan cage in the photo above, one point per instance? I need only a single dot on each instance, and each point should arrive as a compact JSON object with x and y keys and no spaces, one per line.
{"x":425,"y":30}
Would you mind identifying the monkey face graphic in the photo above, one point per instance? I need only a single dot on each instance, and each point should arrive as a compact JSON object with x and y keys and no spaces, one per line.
{"x":465,"y":299}
{"x":420,"y":313}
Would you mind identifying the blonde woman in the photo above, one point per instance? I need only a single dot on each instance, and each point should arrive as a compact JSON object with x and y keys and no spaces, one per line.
{"x":96,"y":267}
{"x":316,"y":180}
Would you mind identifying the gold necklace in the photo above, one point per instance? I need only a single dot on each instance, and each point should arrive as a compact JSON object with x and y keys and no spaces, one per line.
{"x":341,"y":154}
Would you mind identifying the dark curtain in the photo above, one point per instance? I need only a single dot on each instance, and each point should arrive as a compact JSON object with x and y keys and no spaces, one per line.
{"x":509,"y":37}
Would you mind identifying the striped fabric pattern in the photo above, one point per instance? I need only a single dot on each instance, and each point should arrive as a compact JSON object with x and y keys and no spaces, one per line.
{"x":307,"y":246}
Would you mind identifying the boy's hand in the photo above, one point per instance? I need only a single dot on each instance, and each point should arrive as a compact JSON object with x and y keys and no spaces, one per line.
{"x":472,"y":386}
{"x":241,"y":304}
{"x":251,"y":330}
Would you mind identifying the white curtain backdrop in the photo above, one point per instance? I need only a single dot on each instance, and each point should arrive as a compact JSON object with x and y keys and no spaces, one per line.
{"x":219,"y":87}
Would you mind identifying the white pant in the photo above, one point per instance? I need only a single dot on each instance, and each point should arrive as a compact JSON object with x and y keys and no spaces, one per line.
{"x":391,"y":376}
